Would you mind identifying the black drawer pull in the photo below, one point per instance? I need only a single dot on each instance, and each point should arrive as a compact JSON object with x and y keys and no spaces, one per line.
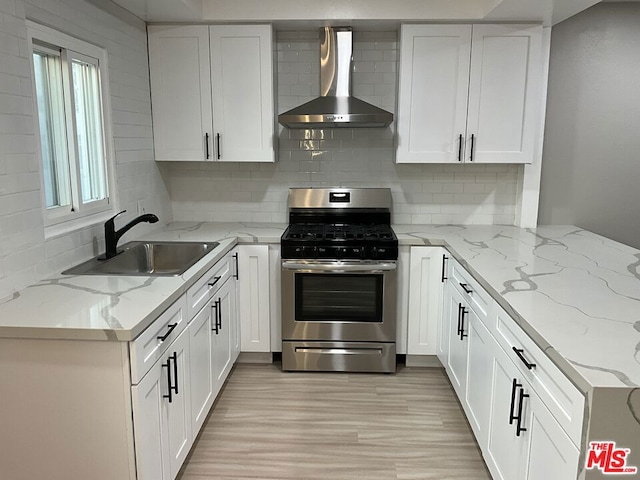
{"x":215,"y":323}
{"x":206,"y":145}
{"x":171,"y":326}
{"x":237,"y":275}
{"x":514,"y":386}
{"x":218,"y":145}
{"x":170,"y":387}
{"x":519,"y":427}
{"x":215,"y":280}
{"x":444,"y":267}
{"x":460,"y":148}
{"x":462,"y":334}
{"x":175,"y":371}
{"x":519,"y":353}
{"x":465,"y":288}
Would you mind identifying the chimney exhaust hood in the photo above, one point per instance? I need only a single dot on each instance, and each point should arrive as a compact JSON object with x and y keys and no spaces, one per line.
{"x":336,"y":107}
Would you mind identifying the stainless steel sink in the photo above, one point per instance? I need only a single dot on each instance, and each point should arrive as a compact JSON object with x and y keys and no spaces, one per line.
{"x":147,"y":258}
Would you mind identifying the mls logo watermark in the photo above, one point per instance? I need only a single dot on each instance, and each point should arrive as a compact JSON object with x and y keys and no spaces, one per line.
{"x":609,"y":459}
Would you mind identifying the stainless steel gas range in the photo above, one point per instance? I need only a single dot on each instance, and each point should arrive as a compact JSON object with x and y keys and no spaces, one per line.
{"x":339,"y":260}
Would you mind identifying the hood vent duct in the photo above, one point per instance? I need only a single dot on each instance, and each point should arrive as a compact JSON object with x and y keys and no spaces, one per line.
{"x":336,"y":107}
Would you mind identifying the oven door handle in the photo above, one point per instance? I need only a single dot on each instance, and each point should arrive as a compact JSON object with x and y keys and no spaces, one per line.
{"x":352,"y":268}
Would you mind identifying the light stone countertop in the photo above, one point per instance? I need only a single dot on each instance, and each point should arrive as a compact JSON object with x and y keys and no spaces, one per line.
{"x":575,"y":293}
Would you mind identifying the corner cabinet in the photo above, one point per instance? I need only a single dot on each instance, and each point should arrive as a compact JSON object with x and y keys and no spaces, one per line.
{"x":469,"y":93}
{"x":212,"y":92}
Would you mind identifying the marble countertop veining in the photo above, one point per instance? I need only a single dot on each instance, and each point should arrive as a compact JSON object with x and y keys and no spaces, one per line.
{"x":576,"y":294}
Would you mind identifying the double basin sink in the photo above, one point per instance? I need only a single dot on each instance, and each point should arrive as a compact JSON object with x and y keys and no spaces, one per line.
{"x":147,"y":258}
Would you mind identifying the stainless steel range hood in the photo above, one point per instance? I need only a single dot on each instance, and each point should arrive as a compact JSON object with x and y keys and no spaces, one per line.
{"x":336,"y":107}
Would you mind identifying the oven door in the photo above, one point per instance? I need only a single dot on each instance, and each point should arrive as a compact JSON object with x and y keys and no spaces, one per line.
{"x":339,"y":301}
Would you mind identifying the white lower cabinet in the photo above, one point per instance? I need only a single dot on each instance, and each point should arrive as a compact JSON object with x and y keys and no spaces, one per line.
{"x":253,"y":290}
{"x":525,"y":441}
{"x":173,"y":398}
{"x":203,"y":386}
{"x":224,"y":311}
{"x":162,"y":414}
{"x":520,"y":437}
{"x":425,"y":299}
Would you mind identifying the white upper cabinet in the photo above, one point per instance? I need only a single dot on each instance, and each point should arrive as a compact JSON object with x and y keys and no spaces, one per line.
{"x":242,"y":79}
{"x":212,"y":92}
{"x":180,"y":91}
{"x":434,"y":82}
{"x":469,"y":93}
{"x":504,"y":93}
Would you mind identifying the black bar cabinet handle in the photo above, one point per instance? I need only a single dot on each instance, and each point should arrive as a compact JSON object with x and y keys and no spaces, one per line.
{"x":215,"y":323}
{"x":459,"y":316}
{"x":220,"y":313}
{"x":460,"y":148}
{"x":514,"y":386}
{"x":206,"y":144}
{"x":444,"y":268}
{"x":215,"y":280}
{"x":171,"y":326}
{"x":218,"y":145}
{"x":175,"y":371}
{"x":519,"y":353}
{"x":237,"y":275}
{"x":519,"y":427}
{"x":170,"y":387}
{"x":465,"y":288}
{"x":473,"y":137}
{"x":462,"y":334}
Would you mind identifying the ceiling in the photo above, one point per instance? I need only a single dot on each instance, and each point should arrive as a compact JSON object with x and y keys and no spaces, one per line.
{"x":285,"y":13}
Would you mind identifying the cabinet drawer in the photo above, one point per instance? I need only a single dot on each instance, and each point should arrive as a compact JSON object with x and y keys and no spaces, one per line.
{"x":201,"y":292}
{"x":561,"y":397}
{"x":473,"y":293}
{"x":154,"y":341}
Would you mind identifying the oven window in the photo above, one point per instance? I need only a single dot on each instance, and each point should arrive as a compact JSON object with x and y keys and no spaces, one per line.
{"x":338,"y":297}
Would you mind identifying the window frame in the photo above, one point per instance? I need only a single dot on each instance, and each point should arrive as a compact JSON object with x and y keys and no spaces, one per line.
{"x":60,"y":220}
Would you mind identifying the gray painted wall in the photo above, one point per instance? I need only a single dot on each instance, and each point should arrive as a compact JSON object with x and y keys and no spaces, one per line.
{"x":591,"y":157}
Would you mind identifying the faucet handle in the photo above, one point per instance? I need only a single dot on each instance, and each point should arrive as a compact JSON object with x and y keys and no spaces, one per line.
{"x":114,"y":217}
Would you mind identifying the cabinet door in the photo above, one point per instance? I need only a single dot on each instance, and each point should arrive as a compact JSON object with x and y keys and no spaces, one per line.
{"x":149,"y":419}
{"x":444,"y":327}
{"x":180,"y":92}
{"x":432,"y":98}
{"x":163,"y":430}
{"x":179,"y":409}
{"x":425,"y":299}
{"x":506,"y":452}
{"x":242,"y":81}
{"x":504,"y":93}
{"x":458,"y":343}
{"x":479,"y":377}
{"x":551,"y":452}
{"x":200,"y":367}
{"x":223,"y":339}
{"x":253,"y":291}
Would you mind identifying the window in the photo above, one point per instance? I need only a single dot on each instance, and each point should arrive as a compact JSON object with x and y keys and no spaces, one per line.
{"x":69,"y":82}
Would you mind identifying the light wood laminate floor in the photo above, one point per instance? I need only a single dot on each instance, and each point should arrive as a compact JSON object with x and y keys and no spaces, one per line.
{"x":273,"y":425}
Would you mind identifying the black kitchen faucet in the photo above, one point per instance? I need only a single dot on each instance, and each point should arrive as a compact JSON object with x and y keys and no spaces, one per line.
{"x":111,"y":235}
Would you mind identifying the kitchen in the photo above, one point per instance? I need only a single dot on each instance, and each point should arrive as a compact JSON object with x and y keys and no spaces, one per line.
{"x":425,"y":194}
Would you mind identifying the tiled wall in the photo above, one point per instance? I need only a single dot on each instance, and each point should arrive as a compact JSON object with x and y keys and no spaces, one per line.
{"x":25,"y":255}
{"x":481,"y":194}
